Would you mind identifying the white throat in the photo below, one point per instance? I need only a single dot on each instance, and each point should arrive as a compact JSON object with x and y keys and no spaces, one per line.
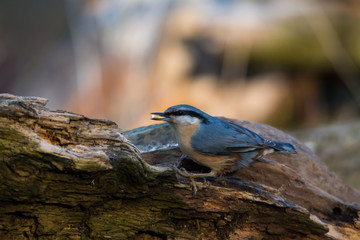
{"x":185,"y":127}
{"x":185,"y":120}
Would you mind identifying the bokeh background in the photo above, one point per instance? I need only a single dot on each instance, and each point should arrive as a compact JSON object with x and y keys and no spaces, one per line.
{"x":294,"y":64}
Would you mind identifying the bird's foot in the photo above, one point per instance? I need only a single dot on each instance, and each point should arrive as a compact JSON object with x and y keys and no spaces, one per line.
{"x":194,"y":187}
{"x":182,"y":172}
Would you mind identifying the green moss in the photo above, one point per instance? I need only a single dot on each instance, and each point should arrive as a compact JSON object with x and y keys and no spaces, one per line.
{"x":12,"y":141}
{"x":131,"y":216}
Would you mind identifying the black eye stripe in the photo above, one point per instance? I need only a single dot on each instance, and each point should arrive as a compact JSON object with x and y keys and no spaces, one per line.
{"x":184,"y":112}
{"x":188,"y":113}
{"x":180,"y":112}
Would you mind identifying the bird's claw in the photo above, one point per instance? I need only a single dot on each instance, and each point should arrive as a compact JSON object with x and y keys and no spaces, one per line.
{"x":182,"y":172}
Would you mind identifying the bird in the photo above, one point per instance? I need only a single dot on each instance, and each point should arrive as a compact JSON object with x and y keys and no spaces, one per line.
{"x":222,"y":146}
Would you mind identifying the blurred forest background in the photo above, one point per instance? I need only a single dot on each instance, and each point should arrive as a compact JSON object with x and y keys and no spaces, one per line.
{"x":292,"y":64}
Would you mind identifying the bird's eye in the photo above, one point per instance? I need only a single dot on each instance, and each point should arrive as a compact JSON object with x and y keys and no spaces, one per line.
{"x":180,"y":112}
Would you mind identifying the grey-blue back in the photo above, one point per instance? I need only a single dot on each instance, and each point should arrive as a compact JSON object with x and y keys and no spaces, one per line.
{"x":219,"y":137}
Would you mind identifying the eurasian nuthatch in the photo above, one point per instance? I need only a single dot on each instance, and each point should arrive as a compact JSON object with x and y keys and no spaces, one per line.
{"x":222,"y":146}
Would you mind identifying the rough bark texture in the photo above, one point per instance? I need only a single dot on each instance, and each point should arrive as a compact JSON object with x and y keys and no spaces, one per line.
{"x":65,"y":176}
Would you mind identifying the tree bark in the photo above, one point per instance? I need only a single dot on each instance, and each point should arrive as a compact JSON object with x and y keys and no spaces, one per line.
{"x":66,"y":176}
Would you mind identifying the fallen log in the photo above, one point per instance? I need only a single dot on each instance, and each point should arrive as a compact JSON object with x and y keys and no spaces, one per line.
{"x":66,"y":176}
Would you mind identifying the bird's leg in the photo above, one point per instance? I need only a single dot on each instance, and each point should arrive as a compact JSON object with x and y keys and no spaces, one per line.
{"x":182,"y":172}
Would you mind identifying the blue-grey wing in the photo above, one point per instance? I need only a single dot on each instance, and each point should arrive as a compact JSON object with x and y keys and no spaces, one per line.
{"x":263,"y":142}
{"x":223,"y":138}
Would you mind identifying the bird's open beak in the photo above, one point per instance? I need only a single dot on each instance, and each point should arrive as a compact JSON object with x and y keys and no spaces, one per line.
{"x":158,"y":116}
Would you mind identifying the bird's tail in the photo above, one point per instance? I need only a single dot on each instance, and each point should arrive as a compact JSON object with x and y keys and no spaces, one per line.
{"x":284,"y":147}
